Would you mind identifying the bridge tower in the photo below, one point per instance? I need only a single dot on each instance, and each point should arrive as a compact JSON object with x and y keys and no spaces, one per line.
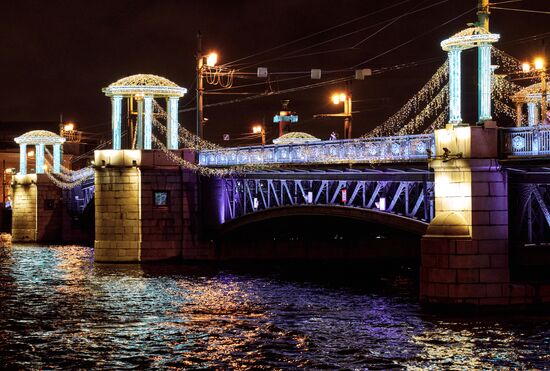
{"x":36,"y":210}
{"x":464,"y":254}
{"x":145,"y":204}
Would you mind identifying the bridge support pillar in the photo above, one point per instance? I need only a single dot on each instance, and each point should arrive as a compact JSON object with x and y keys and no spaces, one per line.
{"x":464,"y":254}
{"x":145,"y":207}
{"x":36,"y":210}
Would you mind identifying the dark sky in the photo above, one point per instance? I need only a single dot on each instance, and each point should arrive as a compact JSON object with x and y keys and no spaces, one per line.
{"x":57,"y":55}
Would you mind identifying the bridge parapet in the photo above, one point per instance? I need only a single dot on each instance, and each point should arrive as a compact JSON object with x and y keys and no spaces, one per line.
{"x":379,"y":149}
{"x":525,"y":141}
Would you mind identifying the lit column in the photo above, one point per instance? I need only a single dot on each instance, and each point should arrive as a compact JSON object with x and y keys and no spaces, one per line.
{"x":116,"y":117}
{"x":139,"y":129}
{"x":148,"y":123}
{"x":172,"y":121}
{"x":39,"y":158}
{"x":56,"y":158}
{"x":519,"y":113}
{"x":484,"y":82}
{"x":23,"y":158}
{"x":532,"y":113}
{"x":454,"y":86}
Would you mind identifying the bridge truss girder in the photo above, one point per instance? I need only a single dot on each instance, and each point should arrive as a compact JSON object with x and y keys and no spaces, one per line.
{"x":412,"y":197}
{"x":530,"y":212}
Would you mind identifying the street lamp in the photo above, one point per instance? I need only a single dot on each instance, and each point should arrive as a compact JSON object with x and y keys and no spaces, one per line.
{"x":210,"y":60}
{"x":345,"y":98}
{"x":539,"y":64}
{"x":259,"y":129}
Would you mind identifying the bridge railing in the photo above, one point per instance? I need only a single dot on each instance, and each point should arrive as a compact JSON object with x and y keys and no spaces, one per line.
{"x":379,"y":149}
{"x":525,"y":141}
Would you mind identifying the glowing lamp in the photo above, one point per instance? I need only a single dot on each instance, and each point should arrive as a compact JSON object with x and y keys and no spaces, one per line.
{"x":539,"y":64}
{"x":338,"y":98}
{"x":68,"y":127}
{"x":525,"y":67}
{"x":8,"y":171}
{"x":257,"y":129}
{"x":211,"y":59}
{"x":30,"y":154}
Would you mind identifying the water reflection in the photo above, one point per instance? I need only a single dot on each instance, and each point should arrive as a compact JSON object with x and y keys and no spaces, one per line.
{"x":58,"y":309}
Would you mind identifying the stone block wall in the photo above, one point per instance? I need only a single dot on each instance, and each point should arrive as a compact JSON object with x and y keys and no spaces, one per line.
{"x":130,"y":226}
{"x":464,"y":254}
{"x":37,"y":209}
{"x":49,"y":210}
{"x":117,"y":210}
{"x":24,"y":208}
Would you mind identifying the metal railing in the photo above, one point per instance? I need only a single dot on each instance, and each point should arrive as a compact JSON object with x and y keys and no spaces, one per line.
{"x":379,"y":150}
{"x":525,"y":141}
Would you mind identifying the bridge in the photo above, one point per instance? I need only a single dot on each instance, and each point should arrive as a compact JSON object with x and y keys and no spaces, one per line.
{"x":473,"y":196}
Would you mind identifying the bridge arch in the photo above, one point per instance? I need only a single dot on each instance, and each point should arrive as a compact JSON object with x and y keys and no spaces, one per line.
{"x":394,"y":221}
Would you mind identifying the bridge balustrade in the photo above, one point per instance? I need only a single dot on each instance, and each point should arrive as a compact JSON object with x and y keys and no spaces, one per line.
{"x":525,"y":141}
{"x":380,"y":149}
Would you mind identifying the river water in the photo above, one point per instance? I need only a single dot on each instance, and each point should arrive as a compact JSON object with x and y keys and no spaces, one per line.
{"x":60,"y":310}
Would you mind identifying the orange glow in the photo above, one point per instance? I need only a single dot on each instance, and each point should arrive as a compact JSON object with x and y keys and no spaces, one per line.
{"x":539,"y":64}
{"x":68,"y":127}
{"x":257,"y":129}
{"x":212,"y":59}
{"x":282,"y":113}
{"x":30,"y":154}
{"x":338,"y":98}
{"x":525,"y":67}
{"x":8,"y":171}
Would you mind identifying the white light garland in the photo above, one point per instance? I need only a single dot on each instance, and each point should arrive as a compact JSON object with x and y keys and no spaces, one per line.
{"x":427,"y":92}
{"x":435,"y":105}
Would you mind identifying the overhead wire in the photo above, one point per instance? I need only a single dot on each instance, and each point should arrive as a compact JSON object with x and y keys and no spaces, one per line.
{"x":317,"y":33}
{"x":414,"y":38}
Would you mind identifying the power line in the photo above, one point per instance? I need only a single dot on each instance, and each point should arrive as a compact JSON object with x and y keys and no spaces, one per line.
{"x":387,"y":22}
{"x":318,"y":32}
{"x":290,"y":90}
{"x":414,"y":38}
{"x":521,"y":10}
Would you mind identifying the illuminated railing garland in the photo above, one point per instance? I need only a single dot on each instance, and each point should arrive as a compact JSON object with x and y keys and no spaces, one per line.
{"x":427,"y":92}
{"x":526,"y":141}
{"x":366,"y":150}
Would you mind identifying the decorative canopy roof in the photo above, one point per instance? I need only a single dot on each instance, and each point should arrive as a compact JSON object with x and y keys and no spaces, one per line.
{"x":39,"y":137}
{"x":469,"y":38}
{"x":144,"y":84}
{"x":531,"y":93}
{"x":295,"y":138}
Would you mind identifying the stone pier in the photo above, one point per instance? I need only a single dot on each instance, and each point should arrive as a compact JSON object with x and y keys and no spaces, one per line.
{"x":37,"y":209}
{"x":464,"y":254}
{"x":146,"y":207}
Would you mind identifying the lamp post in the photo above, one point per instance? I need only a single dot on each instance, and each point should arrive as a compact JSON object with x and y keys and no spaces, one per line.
{"x":259,"y":129}
{"x":338,"y":98}
{"x":345,"y":98}
{"x":539,"y":65}
{"x":209,"y":60}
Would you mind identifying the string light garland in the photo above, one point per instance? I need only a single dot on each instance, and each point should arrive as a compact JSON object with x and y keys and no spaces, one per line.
{"x":188,"y":139}
{"x":435,"y":105}
{"x":424,"y":94}
{"x":439,"y":122}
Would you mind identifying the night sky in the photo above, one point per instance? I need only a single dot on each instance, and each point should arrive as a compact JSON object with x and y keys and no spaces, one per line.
{"x":57,"y":55}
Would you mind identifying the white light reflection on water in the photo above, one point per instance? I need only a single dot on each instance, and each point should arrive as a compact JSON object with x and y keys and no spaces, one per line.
{"x":60,"y":310}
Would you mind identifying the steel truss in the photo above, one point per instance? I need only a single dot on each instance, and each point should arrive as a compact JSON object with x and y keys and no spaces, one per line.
{"x":530,"y":212}
{"x":411,"y":197}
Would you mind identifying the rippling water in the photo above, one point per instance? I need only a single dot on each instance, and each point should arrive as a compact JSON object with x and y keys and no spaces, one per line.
{"x":60,"y":310}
